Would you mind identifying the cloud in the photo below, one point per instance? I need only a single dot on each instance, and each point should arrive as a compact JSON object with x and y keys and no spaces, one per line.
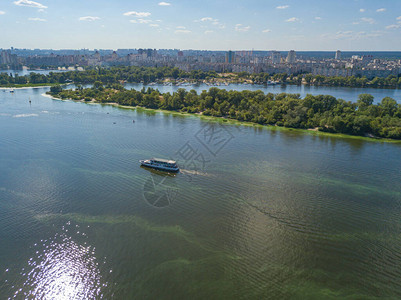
{"x":362,"y":10}
{"x":368,"y":20}
{"x":351,"y":35}
{"x":205,"y":19}
{"x":29,"y":3}
{"x":242,"y":28}
{"x":283,"y":7}
{"x":89,"y":18}
{"x":185,"y":31}
{"x":141,"y":21}
{"x":137,"y":14}
{"x":209,"y":31}
{"x":293,"y":19}
{"x":394,"y":26}
{"x":214,"y":22}
{"x":381,"y":10}
{"x":181,"y":27}
{"x":154,"y":25}
{"x":266,"y":31}
{"x":2,"y":12}
{"x":318,"y":18}
{"x":164,"y":4}
{"x":37,"y":19}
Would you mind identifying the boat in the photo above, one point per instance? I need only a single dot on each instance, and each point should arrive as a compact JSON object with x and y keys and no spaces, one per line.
{"x":11,"y":91}
{"x":160,"y":164}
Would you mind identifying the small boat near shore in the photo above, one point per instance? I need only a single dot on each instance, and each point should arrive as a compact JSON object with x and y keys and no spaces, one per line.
{"x":160,"y":164}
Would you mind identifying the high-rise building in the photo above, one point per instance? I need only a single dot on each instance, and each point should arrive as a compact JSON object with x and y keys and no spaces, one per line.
{"x":338,"y":54}
{"x":291,"y":57}
{"x":276,"y":57}
{"x":7,"y":58}
{"x":230,"y":57}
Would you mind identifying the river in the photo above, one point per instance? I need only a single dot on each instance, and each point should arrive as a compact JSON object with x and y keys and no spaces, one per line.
{"x":346,"y":93}
{"x":255,"y":213}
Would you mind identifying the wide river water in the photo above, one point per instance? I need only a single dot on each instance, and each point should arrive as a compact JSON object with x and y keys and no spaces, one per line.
{"x":255,"y":213}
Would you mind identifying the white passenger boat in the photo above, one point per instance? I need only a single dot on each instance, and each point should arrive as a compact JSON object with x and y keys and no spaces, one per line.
{"x":160,"y":164}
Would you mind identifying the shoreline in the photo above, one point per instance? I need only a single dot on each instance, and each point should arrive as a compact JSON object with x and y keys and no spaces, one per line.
{"x":223,"y":120}
{"x":31,"y":87}
{"x":24,"y":87}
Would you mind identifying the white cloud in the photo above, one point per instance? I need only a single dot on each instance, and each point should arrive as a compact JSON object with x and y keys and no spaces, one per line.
{"x":164,"y":4}
{"x":362,"y":10}
{"x":351,"y":35}
{"x":154,"y":25}
{"x":266,"y":31}
{"x":89,"y":18}
{"x":209,"y":31}
{"x":283,"y":7}
{"x":137,"y":14}
{"x":381,"y":10}
{"x":394,"y":26}
{"x":214,"y":22}
{"x":368,"y":20}
{"x":293,"y":19}
{"x":141,"y":21}
{"x":318,"y":18}
{"x":2,"y":12}
{"x":185,"y":31}
{"x":180,"y":27}
{"x":205,"y":19}
{"x":29,"y":3}
{"x":242,"y":28}
{"x":37,"y":19}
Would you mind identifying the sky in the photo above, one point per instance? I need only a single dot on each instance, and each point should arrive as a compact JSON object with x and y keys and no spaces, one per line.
{"x":307,"y":25}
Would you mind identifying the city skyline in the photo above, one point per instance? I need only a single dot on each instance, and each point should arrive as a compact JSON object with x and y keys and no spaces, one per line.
{"x":222,"y":25}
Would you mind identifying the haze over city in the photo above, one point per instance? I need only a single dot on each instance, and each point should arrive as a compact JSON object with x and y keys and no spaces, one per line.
{"x":214,"y":25}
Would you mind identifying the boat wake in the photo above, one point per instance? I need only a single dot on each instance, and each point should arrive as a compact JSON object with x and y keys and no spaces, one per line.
{"x":25,"y":115}
{"x":195,"y":172}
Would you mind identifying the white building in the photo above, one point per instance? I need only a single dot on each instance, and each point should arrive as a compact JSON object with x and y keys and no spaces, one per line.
{"x":291,"y":57}
{"x":276,"y":57}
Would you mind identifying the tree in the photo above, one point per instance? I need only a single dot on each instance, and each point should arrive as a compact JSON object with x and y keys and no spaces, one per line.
{"x":98,"y":85}
{"x":364,"y":100}
{"x":389,"y":106}
{"x":56,"y":89}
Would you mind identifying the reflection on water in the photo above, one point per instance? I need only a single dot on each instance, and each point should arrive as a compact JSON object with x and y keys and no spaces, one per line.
{"x":62,"y":268}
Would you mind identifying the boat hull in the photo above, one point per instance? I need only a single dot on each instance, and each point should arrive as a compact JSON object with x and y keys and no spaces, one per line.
{"x":160,"y":168}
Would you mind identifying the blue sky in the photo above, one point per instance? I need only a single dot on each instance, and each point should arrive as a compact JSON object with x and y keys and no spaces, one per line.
{"x":215,"y":25}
